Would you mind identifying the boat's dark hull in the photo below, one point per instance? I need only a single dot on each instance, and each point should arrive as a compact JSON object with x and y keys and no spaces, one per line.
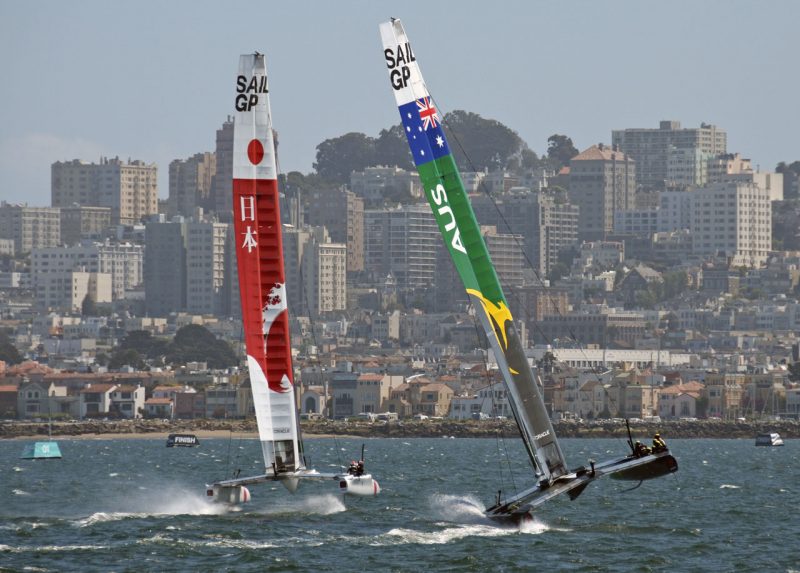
{"x":518,"y":507}
{"x":659,"y":466}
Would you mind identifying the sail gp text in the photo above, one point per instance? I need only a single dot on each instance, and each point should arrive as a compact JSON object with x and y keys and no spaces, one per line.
{"x":397,"y":61}
{"x":248,"y":90}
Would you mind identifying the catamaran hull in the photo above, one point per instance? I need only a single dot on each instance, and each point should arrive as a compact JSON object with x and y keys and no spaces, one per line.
{"x":359,"y":485}
{"x":234,"y":491}
{"x":520,"y":506}
{"x":658,"y":467}
{"x":229,"y":495}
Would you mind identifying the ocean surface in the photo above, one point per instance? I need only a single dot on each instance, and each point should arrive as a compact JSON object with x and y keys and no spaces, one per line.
{"x":135,"y":505}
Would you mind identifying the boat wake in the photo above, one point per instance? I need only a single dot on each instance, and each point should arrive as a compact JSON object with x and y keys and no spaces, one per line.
{"x":402,"y":535}
{"x":458,"y":509}
{"x":470,"y":510}
{"x":326,"y":504}
{"x":169,"y":502}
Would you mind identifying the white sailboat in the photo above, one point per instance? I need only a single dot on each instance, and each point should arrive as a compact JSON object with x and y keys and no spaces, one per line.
{"x":445,"y":192}
{"x":262,"y":288}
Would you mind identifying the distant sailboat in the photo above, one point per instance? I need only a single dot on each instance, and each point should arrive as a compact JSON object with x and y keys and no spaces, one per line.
{"x":262,"y":289}
{"x":451,"y":208}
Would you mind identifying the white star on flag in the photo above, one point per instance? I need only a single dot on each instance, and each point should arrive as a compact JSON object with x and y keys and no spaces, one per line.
{"x":439,"y":141}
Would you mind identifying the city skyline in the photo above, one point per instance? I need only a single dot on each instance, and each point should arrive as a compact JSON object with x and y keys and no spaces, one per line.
{"x":91,"y":80}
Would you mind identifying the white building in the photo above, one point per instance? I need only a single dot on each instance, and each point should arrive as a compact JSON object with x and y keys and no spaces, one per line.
{"x":734,"y":218}
{"x":372,"y":183}
{"x":325,"y":276}
{"x":123,"y":261}
{"x":490,"y":401}
{"x":66,"y":290}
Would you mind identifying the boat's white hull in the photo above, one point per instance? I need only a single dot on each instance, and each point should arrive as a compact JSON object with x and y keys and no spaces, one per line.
{"x":364,"y":485}
{"x":234,"y":491}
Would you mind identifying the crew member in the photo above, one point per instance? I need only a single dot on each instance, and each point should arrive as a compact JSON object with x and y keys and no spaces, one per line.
{"x":353,"y":469}
{"x":360,"y":468}
{"x":659,"y":445}
{"x":639,"y":449}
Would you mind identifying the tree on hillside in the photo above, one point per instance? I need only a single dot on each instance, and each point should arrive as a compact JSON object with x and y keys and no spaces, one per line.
{"x":126,"y":357}
{"x":340,"y":156}
{"x":195,"y":343}
{"x":391,"y":148}
{"x":560,"y":150}
{"x":486,"y":143}
{"x":791,"y":174}
{"x":144,"y":343}
{"x":8,"y":352}
{"x":88,"y":306}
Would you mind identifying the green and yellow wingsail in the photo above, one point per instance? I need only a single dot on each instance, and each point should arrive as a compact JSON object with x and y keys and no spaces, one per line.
{"x":448,"y":199}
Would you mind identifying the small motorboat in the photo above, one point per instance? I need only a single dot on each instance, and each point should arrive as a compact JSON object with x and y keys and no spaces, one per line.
{"x":769,"y":439}
{"x":184,"y":440}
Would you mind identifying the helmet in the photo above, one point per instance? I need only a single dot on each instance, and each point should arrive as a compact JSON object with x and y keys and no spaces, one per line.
{"x":657,"y":435}
{"x":638,"y":442}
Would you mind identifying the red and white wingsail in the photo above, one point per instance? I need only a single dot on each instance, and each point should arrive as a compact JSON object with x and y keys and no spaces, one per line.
{"x":262,"y":288}
{"x":259,"y":254}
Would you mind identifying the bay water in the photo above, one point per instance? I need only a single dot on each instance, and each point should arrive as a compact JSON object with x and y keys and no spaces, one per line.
{"x":135,"y":505}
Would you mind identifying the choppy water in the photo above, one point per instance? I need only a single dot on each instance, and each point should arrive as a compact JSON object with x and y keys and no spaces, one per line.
{"x":135,"y":505}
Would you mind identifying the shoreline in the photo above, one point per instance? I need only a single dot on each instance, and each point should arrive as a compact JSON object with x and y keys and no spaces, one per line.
{"x":159,"y":429}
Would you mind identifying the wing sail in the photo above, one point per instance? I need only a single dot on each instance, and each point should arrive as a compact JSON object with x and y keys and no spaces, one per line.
{"x":445,"y":192}
{"x":262,"y":283}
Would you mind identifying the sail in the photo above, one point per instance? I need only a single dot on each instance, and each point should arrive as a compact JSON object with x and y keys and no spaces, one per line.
{"x":448,"y":199}
{"x":259,"y":254}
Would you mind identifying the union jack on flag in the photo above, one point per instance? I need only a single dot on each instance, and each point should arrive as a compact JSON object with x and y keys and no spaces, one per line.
{"x":427,"y":113}
{"x":423,"y":127}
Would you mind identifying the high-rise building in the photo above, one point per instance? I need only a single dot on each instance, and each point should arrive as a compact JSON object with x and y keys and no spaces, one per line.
{"x":375,"y":184}
{"x":186,"y":267}
{"x":83,"y":222}
{"x":123,"y":262}
{"x":401,"y":241}
{"x":164,"y":268}
{"x":222,"y":182}
{"x":602,"y":181}
{"x":190,"y":184}
{"x":507,"y":256}
{"x":732,"y":219}
{"x":205,"y":267}
{"x":325,"y":276}
{"x":66,"y":290}
{"x":30,"y":227}
{"x":342,"y":213}
{"x":129,"y":189}
{"x":651,"y":148}
{"x":547,"y":221}
{"x":295,"y":242}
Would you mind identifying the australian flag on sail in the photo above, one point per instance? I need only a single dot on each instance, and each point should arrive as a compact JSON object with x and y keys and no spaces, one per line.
{"x":423,"y":126}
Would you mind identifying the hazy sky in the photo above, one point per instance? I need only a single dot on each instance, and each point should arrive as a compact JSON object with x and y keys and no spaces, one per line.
{"x":153,"y":80}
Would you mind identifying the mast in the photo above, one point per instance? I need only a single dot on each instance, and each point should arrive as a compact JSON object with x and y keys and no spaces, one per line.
{"x":453,"y":212}
{"x":262,"y":283}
